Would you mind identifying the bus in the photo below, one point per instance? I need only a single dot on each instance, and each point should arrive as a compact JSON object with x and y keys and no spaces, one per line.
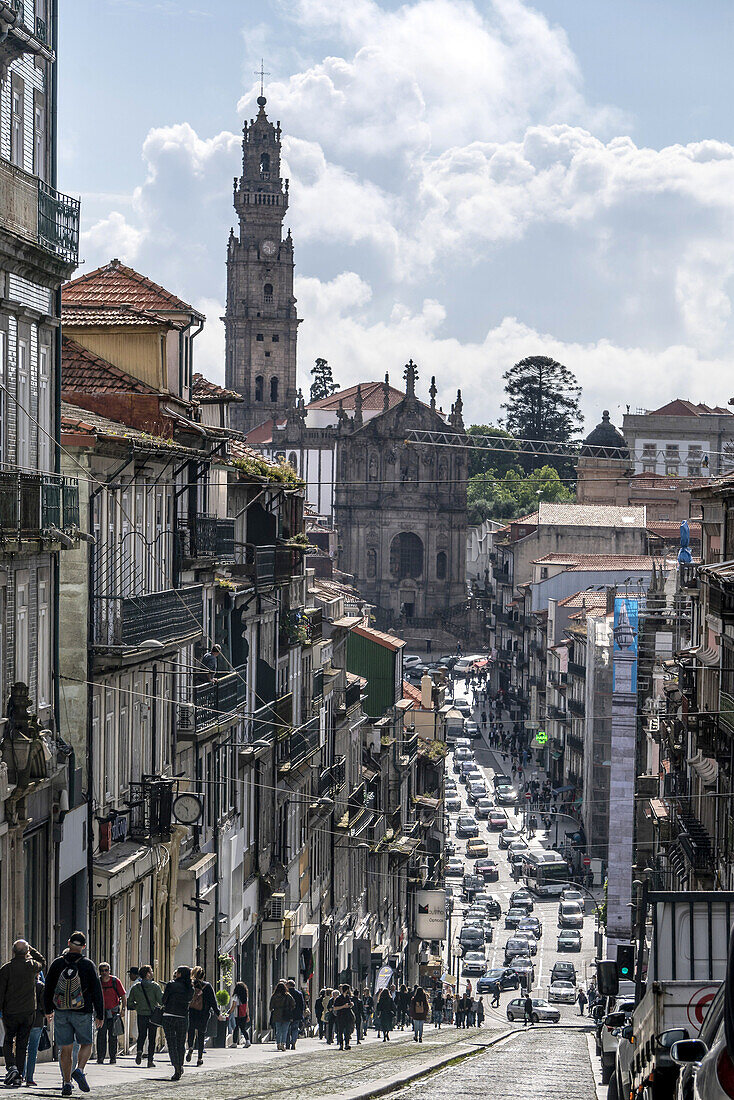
{"x":544,"y":873}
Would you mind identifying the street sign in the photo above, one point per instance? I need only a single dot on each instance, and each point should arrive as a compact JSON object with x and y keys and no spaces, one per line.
{"x":587,"y":861}
{"x":528,"y":796}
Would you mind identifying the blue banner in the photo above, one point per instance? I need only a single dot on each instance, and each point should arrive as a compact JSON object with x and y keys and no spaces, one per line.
{"x":624,"y":655}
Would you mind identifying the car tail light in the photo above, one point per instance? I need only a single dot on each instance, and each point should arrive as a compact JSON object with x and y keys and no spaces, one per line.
{"x":725,"y":1072}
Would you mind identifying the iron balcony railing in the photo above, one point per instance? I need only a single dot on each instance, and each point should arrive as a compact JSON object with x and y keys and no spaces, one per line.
{"x":576,"y":669}
{"x":151,"y":805}
{"x":304,"y":742}
{"x":205,"y":536}
{"x":58,"y":223}
{"x":577,"y":708}
{"x":352,"y":694}
{"x":34,"y":505}
{"x":575,"y":743}
{"x":688,"y":577}
{"x":167,"y":616}
{"x":257,"y":563}
{"x":217,"y":703}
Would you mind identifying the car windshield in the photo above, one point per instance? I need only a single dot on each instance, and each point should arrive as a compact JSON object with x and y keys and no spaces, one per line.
{"x":563,"y":985}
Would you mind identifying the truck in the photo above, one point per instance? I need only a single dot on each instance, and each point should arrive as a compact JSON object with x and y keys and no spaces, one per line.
{"x":686,"y":965}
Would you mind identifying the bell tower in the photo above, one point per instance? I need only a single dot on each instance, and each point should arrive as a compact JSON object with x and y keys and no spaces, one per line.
{"x":260,"y":322}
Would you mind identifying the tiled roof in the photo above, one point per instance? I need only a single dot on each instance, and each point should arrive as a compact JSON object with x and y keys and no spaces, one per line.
{"x":372,"y":398}
{"x":86,"y":372}
{"x":590,"y":515}
{"x":667,"y":528}
{"x":75,"y":419}
{"x":682,"y":407}
{"x":591,"y":562}
{"x":263,"y":433}
{"x":204,"y":391}
{"x":116,"y":284}
{"x":95,"y":315}
{"x":584,"y":599}
{"x":410,"y":692}
{"x":239,"y":449}
{"x":387,"y":641}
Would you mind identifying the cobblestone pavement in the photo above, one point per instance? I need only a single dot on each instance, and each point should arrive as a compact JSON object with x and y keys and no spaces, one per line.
{"x":547,"y":1064}
{"x":308,"y":1073}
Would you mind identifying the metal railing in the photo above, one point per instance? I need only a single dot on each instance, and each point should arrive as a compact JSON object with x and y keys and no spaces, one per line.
{"x":33,"y":504}
{"x":576,"y":669}
{"x":58,"y":223}
{"x":214,"y":703}
{"x":304,"y":742}
{"x":166,"y":616}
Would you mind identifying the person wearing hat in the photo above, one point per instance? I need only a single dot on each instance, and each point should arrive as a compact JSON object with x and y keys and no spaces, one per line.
{"x":73,"y":997}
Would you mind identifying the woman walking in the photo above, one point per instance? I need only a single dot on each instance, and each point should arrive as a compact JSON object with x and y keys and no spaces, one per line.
{"x":239,"y":1010}
{"x":418,"y":1012}
{"x":203,"y":1003}
{"x":176,"y":1000}
{"x":344,"y":1014}
{"x":384,"y":1014}
{"x":282,"y":1007}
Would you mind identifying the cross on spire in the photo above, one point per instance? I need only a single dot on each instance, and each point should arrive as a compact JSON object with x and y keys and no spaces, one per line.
{"x":262,"y":74}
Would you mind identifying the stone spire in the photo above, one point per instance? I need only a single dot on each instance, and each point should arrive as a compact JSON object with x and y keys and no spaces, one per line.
{"x":456,"y":419}
{"x":386,"y":393}
{"x":410,"y":374}
{"x":433,"y":391}
{"x":358,"y":408}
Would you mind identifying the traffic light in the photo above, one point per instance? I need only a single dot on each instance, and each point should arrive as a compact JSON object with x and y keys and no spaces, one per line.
{"x":626,"y":961}
{"x":607,"y":979}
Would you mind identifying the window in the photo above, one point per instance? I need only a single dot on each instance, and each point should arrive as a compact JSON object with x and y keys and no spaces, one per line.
{"x":39,"y":134}
{"x":275,"y":339}
{"x":44,"y":640}
{"x":260,"y":337}
{"x":273,"y":389}
{"x":22,"y":580}
{"x":293,"y":460}
{"x":648,"y":467}
{"x":45,"y":427}
{"x":265,"y":166}
{"x":441,"y":565}
{"x":3,"y":375}
{"x":268,"y":294}
{"x":406,"y":555}
{"x":17,"y":94}
{"x":259,"y":383}
{"x":23,"y":443}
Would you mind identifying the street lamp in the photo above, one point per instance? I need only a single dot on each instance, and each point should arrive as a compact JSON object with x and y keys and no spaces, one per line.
{"x":456,"y":954}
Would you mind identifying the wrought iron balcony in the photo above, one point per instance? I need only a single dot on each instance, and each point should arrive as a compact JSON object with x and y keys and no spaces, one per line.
{"x":168,"y":616}
{"x":215,"y":704}
{"x":576,"y":744}
{"x":203,"y":536}
{"x":692,"y":838}
{"x":34,"y":505}
{"x":318,"y":683}
{"x":300,"y":627}
{"x":576,"y":669}
{"x":304,"y":742}
{"x":58,"y":223}
{"x":577,"y":708}
{"x":331,"y":779}
{"x":721,"y":596}
{"x":255,"y":562}
{"x":556,"y":714}
{"x":151,"y":806}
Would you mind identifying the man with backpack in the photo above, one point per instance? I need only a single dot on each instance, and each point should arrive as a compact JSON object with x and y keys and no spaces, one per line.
{"x":18,"y":1007}
{"x":73,"y":995}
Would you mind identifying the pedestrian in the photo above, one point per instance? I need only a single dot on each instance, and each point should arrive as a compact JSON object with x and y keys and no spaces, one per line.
{"x":368,"y":1007}
{"x":239,"y":1011}
{"x":582,"y":1000}
{"x":329,"y":1015}
{"x":449,"y":1008}
{"x":358,"y":1010}
{"x":115,"y":1000}
{"x":419,"y":1011}
{"x":203,"y":1003}
{"x":282,"y":1007}
{"x":177,"y":997}
{"x":18,"y":979}
{"x":483,"y":717}
{"x":528,"y":1008}
{"x":144,"y":997}
{"x":210,"y":661}
{"x":299,"y":1013}
{"x":471,"y":1011}
{"x":402,"y":1004}
{"x":496,"y":990}
{"x":480,"y":1012}
{"x":439,"y":1004}
{"x":384,"y":1014}
{"x":39,"y":1021}
{"x":318,"y":1009}
{"x":73,"y":995}
{"x":344,"y":1014}
{"x":459,"y":1014}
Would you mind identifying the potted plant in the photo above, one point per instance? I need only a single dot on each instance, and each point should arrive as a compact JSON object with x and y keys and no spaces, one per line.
{"x":223,"y":999}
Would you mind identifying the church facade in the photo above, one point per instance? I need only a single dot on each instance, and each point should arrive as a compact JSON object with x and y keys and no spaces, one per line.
{"x":399,"y":506}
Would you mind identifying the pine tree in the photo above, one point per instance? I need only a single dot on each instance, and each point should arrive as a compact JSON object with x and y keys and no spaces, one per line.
{"x":542,"y":403}
{"x":323,"y":384}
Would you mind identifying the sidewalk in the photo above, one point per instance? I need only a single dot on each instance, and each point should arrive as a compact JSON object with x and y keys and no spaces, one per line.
{"x":313,"y":1070}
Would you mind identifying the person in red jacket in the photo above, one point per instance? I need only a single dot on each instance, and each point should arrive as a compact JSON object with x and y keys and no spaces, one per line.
{"x":113,"y":992}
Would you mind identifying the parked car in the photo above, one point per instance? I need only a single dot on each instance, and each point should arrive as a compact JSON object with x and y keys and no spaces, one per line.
{"x":475,"y":849}
{"x":570,"y":915}
{"x":448,"y":660}
{"x":411,"y":660}
{"x":454,"y":867}
{"x":473,"y":963}
{"x":561,"y":992}
{"x":507,"y":836}
{"x":501,"y":780}
{"x":531,"y":924}
{"x":496,"y":819}
{"x":466,"y":826}
{"x":483,"y":807}
{"x":563,"y":972}
{"x":569,"y":939}
{"x":542,"y":1011}
{"x":507,"y":976}
{"x":488,"y":869}
{"x":513,"y":917}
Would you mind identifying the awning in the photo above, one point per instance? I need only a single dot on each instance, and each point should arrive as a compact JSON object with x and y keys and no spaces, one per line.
{"x":309,"y":935}
{"x":706,"y":655}
{"x":197,"y":865}
{"x":564,"y":790}
{"x":658,"y":809}
{"x":120,"y":868}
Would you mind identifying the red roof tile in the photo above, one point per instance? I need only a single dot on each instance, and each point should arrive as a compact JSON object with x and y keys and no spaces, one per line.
{"x":410,"y":692}
{"x":96,"y":315}
{"x":85,"y":372}
{"x":680,"y":406}
{"x":263,"y":433}
{"x":372,"y":398}
{"x":204,"y":391}
{"x":116,"y":284}
{"x":75,"y":419}
{"x":388,"y":641}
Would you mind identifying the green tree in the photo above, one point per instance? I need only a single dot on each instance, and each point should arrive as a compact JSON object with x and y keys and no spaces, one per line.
{"x":505,"y":497}
{"x":323,"y":384}
{"x":542,"y":403}
{"x":483,"y":458}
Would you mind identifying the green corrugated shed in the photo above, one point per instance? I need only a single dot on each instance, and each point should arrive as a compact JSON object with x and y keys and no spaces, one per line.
{"x":376,"y":663}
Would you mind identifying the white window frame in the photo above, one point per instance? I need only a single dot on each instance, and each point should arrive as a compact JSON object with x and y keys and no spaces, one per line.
{"x":23,"y":396}
{"x":45,"y":425}
{"x":44,"y":664}
{"x":22,"y":626}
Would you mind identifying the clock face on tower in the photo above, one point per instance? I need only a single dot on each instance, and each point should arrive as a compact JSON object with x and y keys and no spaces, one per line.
{"x":268,"y":248}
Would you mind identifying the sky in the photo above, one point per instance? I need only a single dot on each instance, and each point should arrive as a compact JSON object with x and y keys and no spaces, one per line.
{"x":471,"y":181}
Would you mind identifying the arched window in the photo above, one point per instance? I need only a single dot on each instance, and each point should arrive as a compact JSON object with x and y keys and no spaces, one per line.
{"x":259,"y":384}
{"x":273,"y":389}
{"x":268,"y":294}
{"x":371,"y":563}
{"x":293,"y":460}
{"x":441,"y":565}
{"x":265,"y":166}
{"x":406,"y":556}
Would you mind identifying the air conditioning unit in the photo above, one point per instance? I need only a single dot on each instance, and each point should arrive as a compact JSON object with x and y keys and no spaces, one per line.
{"x":277,"y":907}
